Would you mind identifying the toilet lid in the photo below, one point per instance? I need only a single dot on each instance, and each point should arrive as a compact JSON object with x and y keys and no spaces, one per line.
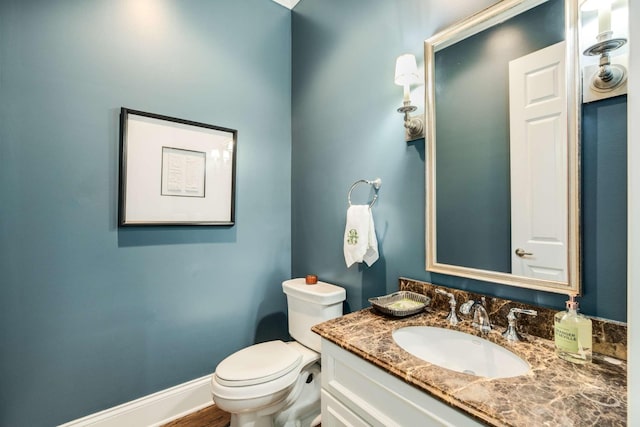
{"x":258,"y":364}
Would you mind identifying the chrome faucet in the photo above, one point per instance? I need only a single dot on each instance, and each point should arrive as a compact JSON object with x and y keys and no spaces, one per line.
{"x":452,"y":317}
{"x":511,"y":334}
{"x":480,"y":315}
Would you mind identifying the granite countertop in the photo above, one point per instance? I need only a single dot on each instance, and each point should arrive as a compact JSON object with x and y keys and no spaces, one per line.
{"x":554,"y":392}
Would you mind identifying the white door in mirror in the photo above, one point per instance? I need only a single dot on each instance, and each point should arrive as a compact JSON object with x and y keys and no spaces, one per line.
{"x":539,"y":177}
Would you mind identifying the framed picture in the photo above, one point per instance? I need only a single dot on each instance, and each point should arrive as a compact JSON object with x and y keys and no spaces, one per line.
{"x":175,"y":172}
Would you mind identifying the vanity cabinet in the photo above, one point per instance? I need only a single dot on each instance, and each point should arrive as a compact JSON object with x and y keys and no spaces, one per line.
{"x":357,"y":393}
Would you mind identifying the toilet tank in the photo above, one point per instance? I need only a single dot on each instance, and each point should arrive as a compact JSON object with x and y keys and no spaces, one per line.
{"x":309,"y":305}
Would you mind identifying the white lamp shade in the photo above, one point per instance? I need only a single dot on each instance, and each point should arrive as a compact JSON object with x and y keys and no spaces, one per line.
{"x":406,"y":70}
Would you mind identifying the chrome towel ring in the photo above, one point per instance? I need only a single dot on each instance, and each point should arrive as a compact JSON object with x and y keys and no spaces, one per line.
{"x":376,"y":183}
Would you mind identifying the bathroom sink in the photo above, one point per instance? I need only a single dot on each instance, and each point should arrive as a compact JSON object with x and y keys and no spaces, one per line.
{"x":460,"y":352}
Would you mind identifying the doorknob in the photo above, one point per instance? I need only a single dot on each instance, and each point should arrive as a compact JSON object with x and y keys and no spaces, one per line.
{"x":520,"y":252}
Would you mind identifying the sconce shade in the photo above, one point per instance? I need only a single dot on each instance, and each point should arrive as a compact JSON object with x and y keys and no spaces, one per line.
{"x":406,"y":70}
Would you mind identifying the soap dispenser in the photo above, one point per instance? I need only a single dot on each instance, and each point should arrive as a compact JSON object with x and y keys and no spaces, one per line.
{"x":572,"y":334}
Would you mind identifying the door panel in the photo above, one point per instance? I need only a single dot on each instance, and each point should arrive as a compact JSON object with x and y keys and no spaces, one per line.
{"x":538,"y":144}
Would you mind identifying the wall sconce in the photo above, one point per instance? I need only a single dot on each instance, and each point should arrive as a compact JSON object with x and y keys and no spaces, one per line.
{"x":609,"y":76}
{"x":406,"y":75}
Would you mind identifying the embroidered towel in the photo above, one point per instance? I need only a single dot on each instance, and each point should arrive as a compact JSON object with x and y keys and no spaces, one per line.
{"x":360,"y":242}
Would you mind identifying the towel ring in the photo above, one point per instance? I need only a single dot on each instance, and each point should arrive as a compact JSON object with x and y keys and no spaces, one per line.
{"x":376,"y":183}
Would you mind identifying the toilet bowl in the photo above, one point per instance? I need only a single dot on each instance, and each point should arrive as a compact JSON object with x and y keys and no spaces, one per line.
{"x":276,"y":382}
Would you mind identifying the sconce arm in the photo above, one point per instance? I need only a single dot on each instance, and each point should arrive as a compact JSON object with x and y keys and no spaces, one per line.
{"x":414,"y":125}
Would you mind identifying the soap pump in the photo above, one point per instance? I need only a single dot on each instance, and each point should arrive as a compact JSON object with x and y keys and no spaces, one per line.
{"x":572,"y":334}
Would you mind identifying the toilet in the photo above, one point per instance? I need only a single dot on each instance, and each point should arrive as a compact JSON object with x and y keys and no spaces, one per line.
{"x":277,"y":383}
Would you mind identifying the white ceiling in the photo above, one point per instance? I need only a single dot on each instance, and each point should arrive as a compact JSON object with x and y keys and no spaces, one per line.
{"x":289,"y":4}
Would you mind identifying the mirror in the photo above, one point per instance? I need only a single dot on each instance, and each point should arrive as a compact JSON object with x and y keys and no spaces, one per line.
{"x":502,"y":170}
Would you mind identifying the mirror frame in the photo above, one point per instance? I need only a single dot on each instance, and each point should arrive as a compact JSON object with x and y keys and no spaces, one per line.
{"x":478,"y":22}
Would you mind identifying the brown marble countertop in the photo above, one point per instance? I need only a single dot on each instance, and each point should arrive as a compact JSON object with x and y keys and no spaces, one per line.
{"x":553,"y":393}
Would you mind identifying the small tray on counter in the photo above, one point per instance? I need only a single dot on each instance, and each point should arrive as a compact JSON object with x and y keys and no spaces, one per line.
{"x":400,"y":304}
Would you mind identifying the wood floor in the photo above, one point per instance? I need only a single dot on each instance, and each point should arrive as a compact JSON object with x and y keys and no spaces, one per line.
{"x":210,"y":416}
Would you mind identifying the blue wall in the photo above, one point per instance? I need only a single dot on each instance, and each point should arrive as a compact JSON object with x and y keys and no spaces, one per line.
{"x":91,"y":315}
{"x":604,"y":207}
{"x":345,"y":127}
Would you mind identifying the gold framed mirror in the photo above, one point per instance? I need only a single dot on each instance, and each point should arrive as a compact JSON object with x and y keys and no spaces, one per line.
{"x":502,"y":167}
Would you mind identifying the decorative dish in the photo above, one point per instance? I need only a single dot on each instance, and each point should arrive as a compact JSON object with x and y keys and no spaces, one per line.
{"x":401,"y":303}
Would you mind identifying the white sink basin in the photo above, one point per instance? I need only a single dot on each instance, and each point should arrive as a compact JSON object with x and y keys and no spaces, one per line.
{"x":460,"y":352}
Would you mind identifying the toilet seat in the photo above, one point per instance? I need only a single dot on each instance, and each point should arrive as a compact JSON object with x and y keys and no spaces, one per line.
{"x":226,"y":388}
{"x":258,"y":364}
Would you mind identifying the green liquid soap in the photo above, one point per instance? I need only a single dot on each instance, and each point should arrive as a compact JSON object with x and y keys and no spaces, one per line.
{"x":573,"y":334}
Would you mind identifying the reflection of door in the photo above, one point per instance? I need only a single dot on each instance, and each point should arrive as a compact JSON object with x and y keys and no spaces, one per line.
{"x":538,"y":123}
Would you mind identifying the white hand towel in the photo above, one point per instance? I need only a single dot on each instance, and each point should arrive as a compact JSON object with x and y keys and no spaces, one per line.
{"x":360,"y":242}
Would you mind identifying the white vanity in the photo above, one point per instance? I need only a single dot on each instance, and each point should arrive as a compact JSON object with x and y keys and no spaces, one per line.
{"x":357,"y":393}
{"x":370,"y":380}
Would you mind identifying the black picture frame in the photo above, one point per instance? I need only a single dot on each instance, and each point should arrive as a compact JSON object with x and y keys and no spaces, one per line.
{"x":175,"y":171}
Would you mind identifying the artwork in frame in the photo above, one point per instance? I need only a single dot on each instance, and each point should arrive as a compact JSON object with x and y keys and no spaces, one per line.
{"x":175,"y":171}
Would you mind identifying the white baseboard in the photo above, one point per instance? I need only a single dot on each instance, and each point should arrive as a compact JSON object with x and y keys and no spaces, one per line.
{"x":155,"y":409}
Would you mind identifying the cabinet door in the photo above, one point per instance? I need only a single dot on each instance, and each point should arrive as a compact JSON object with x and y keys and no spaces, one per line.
{"x":379,"y":399}
{"x":335,"y":414}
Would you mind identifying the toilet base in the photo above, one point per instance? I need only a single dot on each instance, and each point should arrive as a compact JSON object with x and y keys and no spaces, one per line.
{"x":299,"y":408}
{"x":306,"y":406}
{"x":251,"y":420}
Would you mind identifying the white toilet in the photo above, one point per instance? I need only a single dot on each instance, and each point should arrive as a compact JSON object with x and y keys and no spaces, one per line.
{"x":276,"y":383}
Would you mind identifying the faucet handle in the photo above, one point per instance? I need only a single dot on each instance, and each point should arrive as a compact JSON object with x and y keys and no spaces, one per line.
{"x":452,"y":298}
{"x":511,"y":333}
{"x":452,"y":317}
{"x":465,"y":308}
